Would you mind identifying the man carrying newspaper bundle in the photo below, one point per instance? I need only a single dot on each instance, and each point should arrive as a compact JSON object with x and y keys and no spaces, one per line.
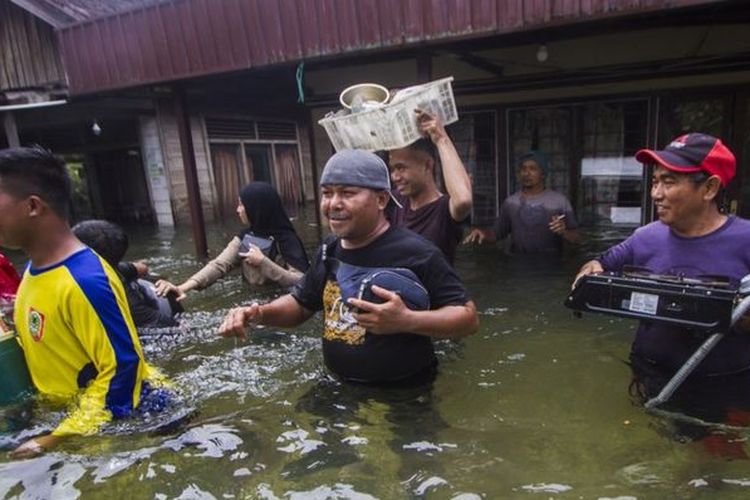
{"x":409,"y":128}
{"x":424,"y":208}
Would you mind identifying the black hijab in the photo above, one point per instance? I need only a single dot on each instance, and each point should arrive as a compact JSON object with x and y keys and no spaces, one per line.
{"x":268,"y":218}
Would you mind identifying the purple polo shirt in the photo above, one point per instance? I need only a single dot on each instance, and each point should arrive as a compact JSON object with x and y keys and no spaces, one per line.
{"x":724,"y":252}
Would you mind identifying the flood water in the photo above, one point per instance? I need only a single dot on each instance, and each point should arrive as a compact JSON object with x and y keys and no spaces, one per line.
{"x":534,"y":405}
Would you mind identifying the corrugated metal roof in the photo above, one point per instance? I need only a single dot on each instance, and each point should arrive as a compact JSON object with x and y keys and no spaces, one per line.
{"x":60,"y":13}
{"x":180,"y":39}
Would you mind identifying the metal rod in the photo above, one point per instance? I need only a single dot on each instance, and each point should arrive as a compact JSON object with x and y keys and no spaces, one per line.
{"x":699,"y":355}
{"x":32,"y":105}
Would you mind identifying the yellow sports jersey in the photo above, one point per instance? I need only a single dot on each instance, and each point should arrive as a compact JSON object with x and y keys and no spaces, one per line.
{"x":80,"y":342}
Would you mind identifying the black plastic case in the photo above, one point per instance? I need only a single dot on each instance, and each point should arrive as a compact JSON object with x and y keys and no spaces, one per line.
{"x":687,"y":303}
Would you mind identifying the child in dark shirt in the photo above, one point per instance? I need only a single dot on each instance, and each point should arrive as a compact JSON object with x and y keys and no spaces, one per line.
{"x":111,"y":242}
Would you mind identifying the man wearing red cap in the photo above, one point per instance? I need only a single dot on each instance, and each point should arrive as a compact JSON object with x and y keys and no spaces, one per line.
{"x":692,"y":238}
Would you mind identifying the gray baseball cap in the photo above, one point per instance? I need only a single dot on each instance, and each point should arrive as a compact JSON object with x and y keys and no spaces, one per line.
{"x":355,"y":167}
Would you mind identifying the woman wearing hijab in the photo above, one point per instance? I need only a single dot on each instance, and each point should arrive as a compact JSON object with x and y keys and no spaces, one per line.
{"x":260,"y":208}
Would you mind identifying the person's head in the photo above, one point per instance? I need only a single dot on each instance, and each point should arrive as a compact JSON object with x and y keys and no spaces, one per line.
{"x":106,"y":238}
{"x":413,"y":167}
{"x":34,"y":187}
{"x":688,"y":177}
{"x":260,"y":207}
{"x":355,"y":190}
{"x":532,"y":170}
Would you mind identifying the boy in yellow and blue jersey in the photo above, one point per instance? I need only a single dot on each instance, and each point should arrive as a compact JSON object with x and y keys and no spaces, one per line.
{"x":71,"y":312}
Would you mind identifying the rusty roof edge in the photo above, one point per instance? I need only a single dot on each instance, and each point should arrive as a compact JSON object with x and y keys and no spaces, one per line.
{"x":403,"y":42}
{"x":658,"y":5}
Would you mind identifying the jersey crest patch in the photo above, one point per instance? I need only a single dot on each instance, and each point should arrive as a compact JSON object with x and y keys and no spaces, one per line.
{"x":36,"y":324}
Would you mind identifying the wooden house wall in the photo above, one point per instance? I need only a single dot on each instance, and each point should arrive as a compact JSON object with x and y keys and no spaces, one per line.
{"x":29,"y":57}
{"x":174,"y":165}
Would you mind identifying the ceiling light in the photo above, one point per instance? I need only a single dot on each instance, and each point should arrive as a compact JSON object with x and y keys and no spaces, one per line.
{"x":542,"y":54}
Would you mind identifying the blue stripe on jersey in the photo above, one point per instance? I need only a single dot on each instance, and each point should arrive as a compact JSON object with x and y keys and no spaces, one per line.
{"x":39,"y":270}
{"x":87,"y":270}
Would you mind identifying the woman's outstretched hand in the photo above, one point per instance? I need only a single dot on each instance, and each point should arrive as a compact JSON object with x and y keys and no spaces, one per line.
{"x":164,"y":288}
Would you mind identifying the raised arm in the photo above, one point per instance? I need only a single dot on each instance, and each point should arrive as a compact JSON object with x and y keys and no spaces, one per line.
{"x":455,"y":177}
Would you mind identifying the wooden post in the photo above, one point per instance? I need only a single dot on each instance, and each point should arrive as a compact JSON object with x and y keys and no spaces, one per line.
{"x":424,"y":67}
{"x":11,"y":130}
{"x":314,"y":166}
{"x":736,"y":204}
{"x":191,"y":174}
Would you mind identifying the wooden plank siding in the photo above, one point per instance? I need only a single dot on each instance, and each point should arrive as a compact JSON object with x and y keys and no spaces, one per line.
{"x":174,"y":165}
{"x":29,"y":57}
{"x":180,"y":39}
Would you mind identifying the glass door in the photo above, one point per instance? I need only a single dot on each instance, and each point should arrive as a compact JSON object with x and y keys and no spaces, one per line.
{"x":474,"y":137}
{"x":611,"y":182}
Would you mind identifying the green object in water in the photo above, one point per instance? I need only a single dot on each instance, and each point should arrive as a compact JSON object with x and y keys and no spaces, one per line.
{"x":15,"y":383}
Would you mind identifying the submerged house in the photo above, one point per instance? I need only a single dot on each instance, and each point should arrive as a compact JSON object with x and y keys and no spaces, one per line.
{"x":125,"y":148}
{"x":193,"y":98}
{"x":98,"y":137}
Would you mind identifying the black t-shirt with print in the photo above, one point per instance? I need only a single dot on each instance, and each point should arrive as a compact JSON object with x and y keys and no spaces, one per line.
{"x":349,"y":351}
{"x":432,"y":221}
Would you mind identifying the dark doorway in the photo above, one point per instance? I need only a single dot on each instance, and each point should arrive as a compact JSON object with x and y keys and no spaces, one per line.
{"x":81,"y":208}
{"x":118,"y":186}
{"x":258,"y":159}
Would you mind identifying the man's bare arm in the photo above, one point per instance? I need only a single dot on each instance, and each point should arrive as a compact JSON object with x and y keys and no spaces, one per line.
{"x":457,"y":181}
{"x":283,"y":312}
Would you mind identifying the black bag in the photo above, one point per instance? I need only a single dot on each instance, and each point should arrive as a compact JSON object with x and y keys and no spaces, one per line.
{"x":357,"y":281}
{"x":267,"y":245}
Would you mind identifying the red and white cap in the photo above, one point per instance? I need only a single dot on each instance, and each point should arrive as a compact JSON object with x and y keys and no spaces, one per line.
{"x":693,"y":152}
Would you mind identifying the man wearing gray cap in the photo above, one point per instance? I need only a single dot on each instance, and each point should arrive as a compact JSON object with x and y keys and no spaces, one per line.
{"x":387,"y":339}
